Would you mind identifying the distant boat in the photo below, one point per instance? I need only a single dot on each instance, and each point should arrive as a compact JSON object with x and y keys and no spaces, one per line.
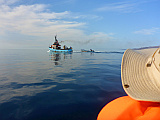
{"x":56,"y":47}
{"x":83,"y":50}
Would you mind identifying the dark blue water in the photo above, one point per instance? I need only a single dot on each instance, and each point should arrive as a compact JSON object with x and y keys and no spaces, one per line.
{"x":41,"y":85}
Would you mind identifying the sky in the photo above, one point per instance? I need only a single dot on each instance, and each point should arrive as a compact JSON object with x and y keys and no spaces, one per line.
{"x":82,"y":24}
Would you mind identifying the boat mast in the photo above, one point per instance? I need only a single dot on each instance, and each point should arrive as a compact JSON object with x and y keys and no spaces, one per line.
{"x":55,"y":38}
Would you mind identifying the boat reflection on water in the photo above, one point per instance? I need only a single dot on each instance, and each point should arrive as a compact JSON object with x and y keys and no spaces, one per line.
{"x":58,"y":57}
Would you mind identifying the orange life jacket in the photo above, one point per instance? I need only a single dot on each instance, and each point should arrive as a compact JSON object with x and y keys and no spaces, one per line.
{"x":126,"y":108}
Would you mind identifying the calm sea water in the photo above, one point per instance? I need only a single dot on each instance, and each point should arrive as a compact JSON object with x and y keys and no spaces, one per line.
{"x":41,"y":85}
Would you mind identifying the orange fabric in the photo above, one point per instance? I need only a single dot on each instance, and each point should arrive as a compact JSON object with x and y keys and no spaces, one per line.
{"x":126,"y":108}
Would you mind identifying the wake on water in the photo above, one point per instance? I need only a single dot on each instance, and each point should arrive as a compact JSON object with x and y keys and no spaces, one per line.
{"x":120,"y":52}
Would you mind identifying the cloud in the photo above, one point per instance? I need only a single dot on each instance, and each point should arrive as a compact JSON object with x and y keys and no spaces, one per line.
{"x":33,"y":20}
{"x":124,"y":7}
{"x":147,"y":31}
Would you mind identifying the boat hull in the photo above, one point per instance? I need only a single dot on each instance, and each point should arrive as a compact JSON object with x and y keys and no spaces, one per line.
{"x":82,"y":50}
{"x":60,"y":50}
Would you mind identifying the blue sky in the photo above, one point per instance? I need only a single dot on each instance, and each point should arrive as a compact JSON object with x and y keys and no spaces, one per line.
{"x":97,"y":24}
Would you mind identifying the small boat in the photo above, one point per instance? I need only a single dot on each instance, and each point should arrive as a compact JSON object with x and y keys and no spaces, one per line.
{"x":83,"y":50}
{"x":56,"y":47}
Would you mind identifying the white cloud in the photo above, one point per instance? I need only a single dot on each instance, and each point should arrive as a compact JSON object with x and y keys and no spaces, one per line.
{"x":147,"y":31}
{"x":125,"y":7}
{"x":32,"y":20}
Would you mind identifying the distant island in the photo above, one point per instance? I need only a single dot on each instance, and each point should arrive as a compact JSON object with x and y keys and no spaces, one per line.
{"x":146,"y":47}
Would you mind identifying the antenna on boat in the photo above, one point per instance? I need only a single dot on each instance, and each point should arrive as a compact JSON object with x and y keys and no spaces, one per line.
{"x":56,"y":38}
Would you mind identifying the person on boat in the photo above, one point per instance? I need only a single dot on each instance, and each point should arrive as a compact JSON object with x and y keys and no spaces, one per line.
{"x":140,"y":75}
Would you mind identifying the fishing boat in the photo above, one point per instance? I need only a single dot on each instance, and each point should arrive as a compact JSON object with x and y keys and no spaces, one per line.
{"x":56,"y":47}
{"x":83,"y":50}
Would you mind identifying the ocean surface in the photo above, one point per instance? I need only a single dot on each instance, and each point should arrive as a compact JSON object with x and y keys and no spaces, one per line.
{"x":41,"y":85}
